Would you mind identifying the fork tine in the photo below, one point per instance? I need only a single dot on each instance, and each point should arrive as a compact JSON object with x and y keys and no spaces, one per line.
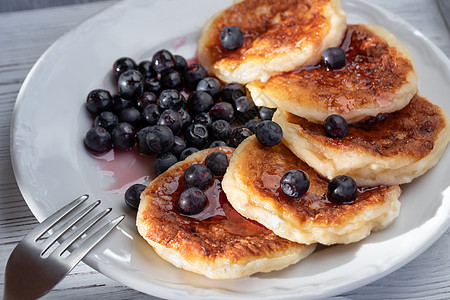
{"x":50,"y":221}
{"x":67,"y":226}
{"x":29,"y":275}
{"x":93,"y":240}
{"x":79,"y":232}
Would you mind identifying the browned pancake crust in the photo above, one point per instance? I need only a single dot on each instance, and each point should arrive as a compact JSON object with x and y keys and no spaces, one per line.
{"x":374,"y":71}
{"x":218,"y":232}
{"x":256,"y":20}
{"x":411,"y":131}
{"x":262,"y":168}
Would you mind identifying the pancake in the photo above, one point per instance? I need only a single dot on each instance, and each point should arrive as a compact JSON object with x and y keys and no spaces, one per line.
{"x":218,"y":243}
{"x":252,"y":185}
{"x":279,"y":36}
{"x":389,"y":149}
{"x":378,"y":77}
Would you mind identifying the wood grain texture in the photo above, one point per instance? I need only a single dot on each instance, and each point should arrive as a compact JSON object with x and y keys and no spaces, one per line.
{"x":25,"y":35}
{"x":444,"y":7}
{"x":15,"y":5}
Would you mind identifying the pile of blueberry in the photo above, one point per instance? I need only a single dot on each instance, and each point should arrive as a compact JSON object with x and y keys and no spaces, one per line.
{"x":170,"y":109}
{"x":151,"y":110}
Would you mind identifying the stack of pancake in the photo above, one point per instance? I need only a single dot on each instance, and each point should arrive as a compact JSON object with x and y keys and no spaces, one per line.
{"x":394,"y":136}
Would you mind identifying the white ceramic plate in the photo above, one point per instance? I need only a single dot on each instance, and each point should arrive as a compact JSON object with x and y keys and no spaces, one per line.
{"x":52,"y":166}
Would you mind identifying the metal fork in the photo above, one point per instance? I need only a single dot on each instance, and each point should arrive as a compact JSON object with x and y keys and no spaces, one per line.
{"x":31,"y":271}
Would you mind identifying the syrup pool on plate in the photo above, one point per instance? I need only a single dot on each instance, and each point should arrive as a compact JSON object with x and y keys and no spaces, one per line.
{"x":126,"y":168}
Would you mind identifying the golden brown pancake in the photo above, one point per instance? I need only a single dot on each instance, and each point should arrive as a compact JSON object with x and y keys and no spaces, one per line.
{"x":218,"y":243}
{"x":279,"y":36}
{"x":389,"y":149}
{"x":252,"y":185}
{"x":378,"y":77}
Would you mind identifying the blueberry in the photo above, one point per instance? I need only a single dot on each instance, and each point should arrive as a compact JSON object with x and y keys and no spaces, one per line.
{"x":152,"y":85}
{"x":130,"y":84}
{"x":123,"y":64}
{"x":203,"y":118}
{"x":342,"y":189}
{"x":146,"y":69}
{"x":232,"y":38}
{"x":232,"y":91}
{"x":151,"y":113}
{"x":222,"y":111}
{"x":192,"y":201}
{"x":164,"y":161}
{"x":186,"y":118}
{"x":159,"y":139}
{"x":251,"y":124}
{"x":119,"y":103}
{"x":107,"y":120}
{"x":123,"y":136}
{"x":335,"y":126}
{"x":199,"y":102}
{"x":171,"y":99}
{"x":178,"y":146}
{"x":217,"y":162}
{"x":266,"y":113}
{"x":130,"y":115}
{"x":180,"y":63}
{"x":210,"y":85}
{"x":145,"y":99}
{"x":99,"y":100}
{"x":172,"y":80}
{"x":98,"y":140}
{"x":333,"y":58}
{"x":163,"y":61}
{"x":142,"y":141}
{"x":198,"y":175}
{"x":217,"y":144}
{"x":193,"y":74}
{"x":171,"y":119}
{"x":245,"y":108}
{"x":220,"y":130}
{"x":269,"y":133}
{"x":238,"y":135}
{"x":133,"y":195}
{"x":197,"y":136}
{"x":186,"y":152}
{"x":295,"y":183}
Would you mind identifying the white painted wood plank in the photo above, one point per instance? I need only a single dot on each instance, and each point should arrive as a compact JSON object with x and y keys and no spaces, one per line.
{"x":14,"y":5}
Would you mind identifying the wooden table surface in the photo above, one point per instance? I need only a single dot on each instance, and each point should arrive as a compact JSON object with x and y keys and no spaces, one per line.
{"x":25,"y":35}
